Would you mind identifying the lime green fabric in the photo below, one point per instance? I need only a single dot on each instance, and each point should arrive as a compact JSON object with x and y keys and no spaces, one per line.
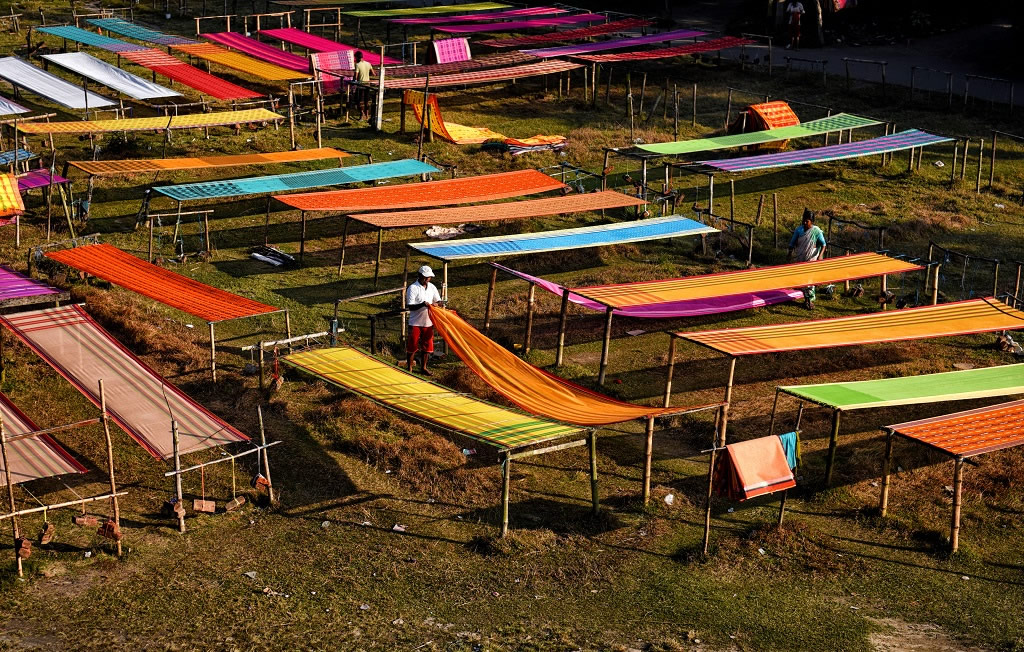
{"x":423,"y":11}
{"x":840,"y":121}
{"x":930,"y":388}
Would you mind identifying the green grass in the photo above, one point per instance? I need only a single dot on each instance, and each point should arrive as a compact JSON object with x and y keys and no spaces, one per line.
{"x":630,"y":578}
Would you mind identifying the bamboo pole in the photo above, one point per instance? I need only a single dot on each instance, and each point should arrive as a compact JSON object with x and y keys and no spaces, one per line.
{"x":833,"y":442}
{"x":992,"y":162}
{"x":563,"y":316}
{"x":490,"y":299}
{"x":958,"y":484}
{"x":883,"y":499}
{"x":648,"y":455}
{"x":266,"y":460}
{"x":115,"y":508}
{"x":424,"y":116}
{"x":530,"y":302}
{"x":675,"y":112}
{"x":506,"y":478}
{"x":10,"y":494}
{"x":775,"y":216}
{"x":981,"y":160}
{"x":671,"y":370}
{"x":213,"y":353}
{"x":693,"y":115}
{"x":711,"y":485}
{"x":177,"y":476}
{"x":606,"y":346}
{"x":595,"y":498}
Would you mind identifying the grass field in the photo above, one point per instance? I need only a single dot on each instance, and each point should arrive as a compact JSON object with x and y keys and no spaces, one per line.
{"x":331,"y":571}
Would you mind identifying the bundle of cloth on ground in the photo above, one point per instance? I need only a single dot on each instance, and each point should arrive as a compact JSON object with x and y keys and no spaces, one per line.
{"x":519,"y":25}
{"x":260,"y":50}
{"x":671,"y":226}
{"x":400,"y":390}
{"x":461,"y":190}
{"x":668,"y":309}
{"x":530,"y":387}
{"x":754,"y":468}
{"x":461,"y":134}
{"x":838,"y":122}
{"x":92,"y":39}
{"x":158,"y":123}
{"x":983,"y":315}
{"x":177,"y":70}
{"x":712,"y":45}
{"x":295,"y":181}
{"x":601,"y":46}
{"x":24,"y":75}
{"x":121,"y":268}
{"x":138,"y":399}
{"x":569,"y":35}
{"x":110,"y":76}
{"x":31,"y":458}
{"x":909,"y":139}
{"x":315,"y":43}
{"x":135,"y":166}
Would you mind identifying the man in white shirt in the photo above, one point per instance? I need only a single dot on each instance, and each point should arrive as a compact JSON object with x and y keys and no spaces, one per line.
{"x":418,"y":296}
{"x":794,"y":12}
{"x":361,"y":75}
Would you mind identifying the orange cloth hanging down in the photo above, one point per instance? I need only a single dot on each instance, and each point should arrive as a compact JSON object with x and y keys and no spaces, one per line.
{"x":533,"y":389}
{"x":753,"y":468}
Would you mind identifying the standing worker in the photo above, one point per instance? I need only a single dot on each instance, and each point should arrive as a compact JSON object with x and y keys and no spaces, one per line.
{"x":418,"y":296}
{"x":361,"y":75}
{"x":807,"y":244}
{"x":794,"y":13}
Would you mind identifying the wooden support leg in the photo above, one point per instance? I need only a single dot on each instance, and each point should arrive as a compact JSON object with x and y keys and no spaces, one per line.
{"x":648,"y":454}
{"x":775,"y":406}
{"x":728,"y":400}
{"x":671,"y":370}
{"x":115,"y":508}
{"x":606,"y":346}
{"x":490,"y":300}
{"x":595,"y":498}
{"x":177,"y":476}
{"x":266,"y":461}
{"x":380,"y":248}
{"x":710,"y":489}
{"x":958,"y":484}
{"x":302,"y":238}
{"x":506,"y":477}
{"x":833,"y":442}
{"x":10,"y":493}
{"x":782,"y":507}
{"x":444,"y":281}
{"x":531,"y":297}
{"x":266,"y":224}
{"x":563,"y":316}
{"x":883,"y":499}
{"x":213,"y":353}
{"x":344,"y":244}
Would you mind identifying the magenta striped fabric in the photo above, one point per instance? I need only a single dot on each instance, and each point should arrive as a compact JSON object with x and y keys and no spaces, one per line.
{"x":14,"y":285}
{"x":473,"y":18}
{"x":321,"y":44}
{"x":615,"y":44}
{"x":520,"y":25}
{"x":38,"y":179}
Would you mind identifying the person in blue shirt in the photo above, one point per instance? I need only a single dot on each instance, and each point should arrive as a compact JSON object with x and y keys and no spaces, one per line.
{"x":807,"y":244}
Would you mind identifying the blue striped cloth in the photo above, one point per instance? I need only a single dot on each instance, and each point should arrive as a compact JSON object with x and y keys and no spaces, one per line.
{"x":296,"y":181}
{"x":912,"y":138}
{"x":6,"y":158}
{"x":85,"y":37}
{"x":589,"y":236}
{"x":138,"y":32}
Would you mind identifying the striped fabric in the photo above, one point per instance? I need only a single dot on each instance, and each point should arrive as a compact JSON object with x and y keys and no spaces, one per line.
{"x":31,"y":458}
{"x":910,"y":139}
{"x":240,"y":62}
{"x":11,"y":204}
{"x":707,"y":286}
{"x":451,"y":50}
{"x":569,"y":35}
{"x":139,"y":400}
{"x":191,"y":121}
{"x":1004,"y":380}
{"x":120,"y":268}
{"x":486,"y":76}
{"x":357,"y":372}
{"x":15,"y":285}
{"x":341,"y":63}
{"x":19,"y":155}
{"x":450,"y":131}
{"x":601,"y":235}
{"x":617,"y":44}
{"x":316,"y":43}
{"x":462,"y":190}
{"x":135,"y":166}
{"x":479,"y":63}
{"x":665,"y":53}
{"x":138,"y":32}
{"x":260,"y":50}
{"x":19,"y":72}
{"x":179,"y":71}
{"x":92,"y":39}
{"x":520,"y":210}
{"x":39,"y":178}
{"x":497,"y":15}
{"x":235,"y":188}
{"x":519,"y":25}
{"x":943,"y":320}
{"x":426,"y":11}
{"x":969,"y":433}
{"x":838,"y":122}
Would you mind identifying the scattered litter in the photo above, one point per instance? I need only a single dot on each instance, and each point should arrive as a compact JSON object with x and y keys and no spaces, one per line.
{"x":88,"y":553}
{"x":963,"y":366}
{"x":495,"y":594}
{"x":964,"y":577}
{"x":939,"y":164}
{"x":696,"y":641}
{"x":999,"y":205}
{"x":269,"y":591}
{"x":855,"y":608}
{"x":948,"y":488}
{"x":189,"y":326}
{"x":367,"y":523}
{"x":468,"y":451}
{"x":449,"y":232}
{"x":387,"y":471}
{"x":398,"y":528}
{"x":272,"y":256}
{"x":397,"y":621}
{"x":250,"y":574}
{"x":899,"y":469}
{"x":593,"y":590}
{"x":635,"y":332}
{"x":761,"y":550}
{"x":670,"y":499}
{"x":364,"y":607}
{"x":325,"y":524}
{"x":874,"y":483}
{"x":731,"y":510}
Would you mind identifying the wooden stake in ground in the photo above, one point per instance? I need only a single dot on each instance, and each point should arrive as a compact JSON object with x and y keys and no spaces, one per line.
{"x":180,"y":505}
{"x":115,"y":509}
{"x":10,"y":495}
{"x":424,"y":116}
{"x":675,"y":112}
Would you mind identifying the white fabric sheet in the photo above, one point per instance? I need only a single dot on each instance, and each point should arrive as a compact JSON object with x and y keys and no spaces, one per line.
{"x":38,"y":81}
{"x":110,"y":76}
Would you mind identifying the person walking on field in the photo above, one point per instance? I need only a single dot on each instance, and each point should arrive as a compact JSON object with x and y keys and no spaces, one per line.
{"x":794,"y":13}
{"x":418,"y":296}
{"x":807,"y":244}
{"x":361,"y":75}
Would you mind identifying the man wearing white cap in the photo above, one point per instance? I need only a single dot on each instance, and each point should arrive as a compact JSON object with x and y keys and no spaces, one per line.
{"x":421,"y":330}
